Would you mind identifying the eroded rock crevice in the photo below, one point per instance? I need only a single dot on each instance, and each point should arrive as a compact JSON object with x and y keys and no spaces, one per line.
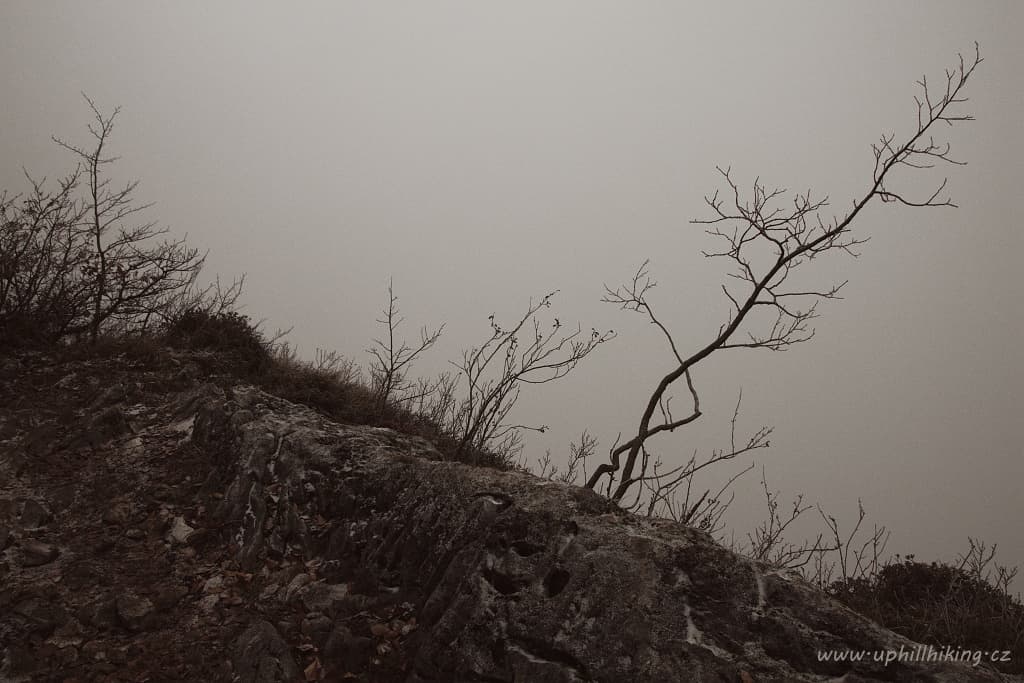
{"x":511,"y":578}
{"x":223,"y":534}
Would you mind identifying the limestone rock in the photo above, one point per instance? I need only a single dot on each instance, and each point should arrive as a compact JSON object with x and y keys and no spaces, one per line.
{"x":327,"y":551}
{"x":180,"y":532}
{"x":133,"y":611}
{"x":119,"y":513}
{"x":321,"y":597}
{"x":262,"y":656}
{"x":34,"y":515}
{"x":35,"y":553}
{"x":41,"y":615}
{"x":533,"y":580}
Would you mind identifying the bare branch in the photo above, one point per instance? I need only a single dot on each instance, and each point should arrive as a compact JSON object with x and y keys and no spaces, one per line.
{"x":766,"y":239}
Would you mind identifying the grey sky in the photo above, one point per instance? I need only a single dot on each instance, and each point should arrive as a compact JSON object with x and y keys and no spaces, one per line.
{"x":481,"y":154}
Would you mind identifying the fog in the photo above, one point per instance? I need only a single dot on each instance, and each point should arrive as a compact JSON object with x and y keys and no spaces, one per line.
{"x":483,"y":154}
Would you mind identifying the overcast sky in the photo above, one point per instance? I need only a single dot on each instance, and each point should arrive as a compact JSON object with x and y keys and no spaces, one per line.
{"x":483,"y":153}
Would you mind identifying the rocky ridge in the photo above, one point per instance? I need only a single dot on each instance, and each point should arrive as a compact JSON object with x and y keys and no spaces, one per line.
{"x":153,"y":527}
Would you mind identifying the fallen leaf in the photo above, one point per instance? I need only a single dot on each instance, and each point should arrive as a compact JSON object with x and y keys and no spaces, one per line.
{"x":314,"y":672}
{"x":381,"y":630}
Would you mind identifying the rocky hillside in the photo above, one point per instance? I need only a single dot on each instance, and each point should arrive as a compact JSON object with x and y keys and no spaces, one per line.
{"x":159,"y":523}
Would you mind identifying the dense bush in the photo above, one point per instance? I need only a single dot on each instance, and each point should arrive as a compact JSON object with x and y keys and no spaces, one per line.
{"x":939,"y":604}
{"x":228,"y":332}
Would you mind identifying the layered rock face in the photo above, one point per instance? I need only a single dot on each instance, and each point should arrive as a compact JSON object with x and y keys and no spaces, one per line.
{"x":508,"y":577}
{"x":154,"y":528}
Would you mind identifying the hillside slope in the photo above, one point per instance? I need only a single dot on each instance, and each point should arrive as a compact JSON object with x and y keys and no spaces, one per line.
{"x":161,"y":522}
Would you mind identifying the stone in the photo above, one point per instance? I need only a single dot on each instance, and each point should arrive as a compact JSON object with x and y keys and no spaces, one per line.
{"x":34,"y":514}
{"x":133,"y":611}
{"x":105,"y":544}
{"x":269,"y":592}
{"x":214,"y":584}
{"x":322,"y":597}
{"x":208,"y":602}
{"x":179,"y":532}
{"x":20,"y":661}
{"x":102,"y":614}
{"x":315,"y":626}
{"x":360,"y":549}
{"x":168,"y":597}
{"x":260,"y":655}
{"x":69,"y":629}
{"x":241,"y":418}
{"x":62,"y":498}
{"x":36,"y":553}
{"x":95,"y":650}
{"x":348,"y":651}
{"x":43,"y":617}
{"x":67,"y":656}
{"x":534,"y":580}
{"x":120,"y":513}
{"x":291,"y":591}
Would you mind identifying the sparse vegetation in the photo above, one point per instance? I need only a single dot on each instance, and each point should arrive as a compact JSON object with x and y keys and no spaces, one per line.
{"x":528,"y":352}
{"x":766,"y":240}
{"x":227,"y":332}
{"x":75,"y":261}
{"x":392,"y":359}
{"x":470,"y":428}
{"x":967,"y":604}
{"x":75,"y":268}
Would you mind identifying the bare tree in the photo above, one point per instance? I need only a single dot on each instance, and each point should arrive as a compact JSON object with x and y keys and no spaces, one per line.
{"x":41,"y":257}
{"x":130,"y":274}
{"x":215,"y":299}
{"x":766,"y":240}
{"x":768,"y":543}
{"x":979,"y":562}
{"x":579,"y":452}
{"x":435,"y":400}
{"x":392,"y":358}
{"x":854,"y":563}
{"x":662,"y":487}
{"x":495,"y":371}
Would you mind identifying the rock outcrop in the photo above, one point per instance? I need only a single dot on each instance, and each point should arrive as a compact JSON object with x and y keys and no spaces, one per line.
{"x":226,"y":534}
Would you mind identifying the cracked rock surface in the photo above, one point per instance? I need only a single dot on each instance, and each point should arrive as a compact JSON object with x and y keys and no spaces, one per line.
{"x":154,"y":528}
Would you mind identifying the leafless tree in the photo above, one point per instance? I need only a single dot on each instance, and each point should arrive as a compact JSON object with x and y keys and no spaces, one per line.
{"x":853,"y":562}
{"x":979,"y":563}
{"x":662,"y":487}
{"x":392,"y":358}
{"x":830,"y":557}
{"x":579,"y":452}
{"x":41,"y":258}
{"x":214,"y":299}
{"x":130,"y":273}
{"x":435,"y":400}
{"x":495,"y":371}
{"x":768,"y":542}
{"x":766,"y":239}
